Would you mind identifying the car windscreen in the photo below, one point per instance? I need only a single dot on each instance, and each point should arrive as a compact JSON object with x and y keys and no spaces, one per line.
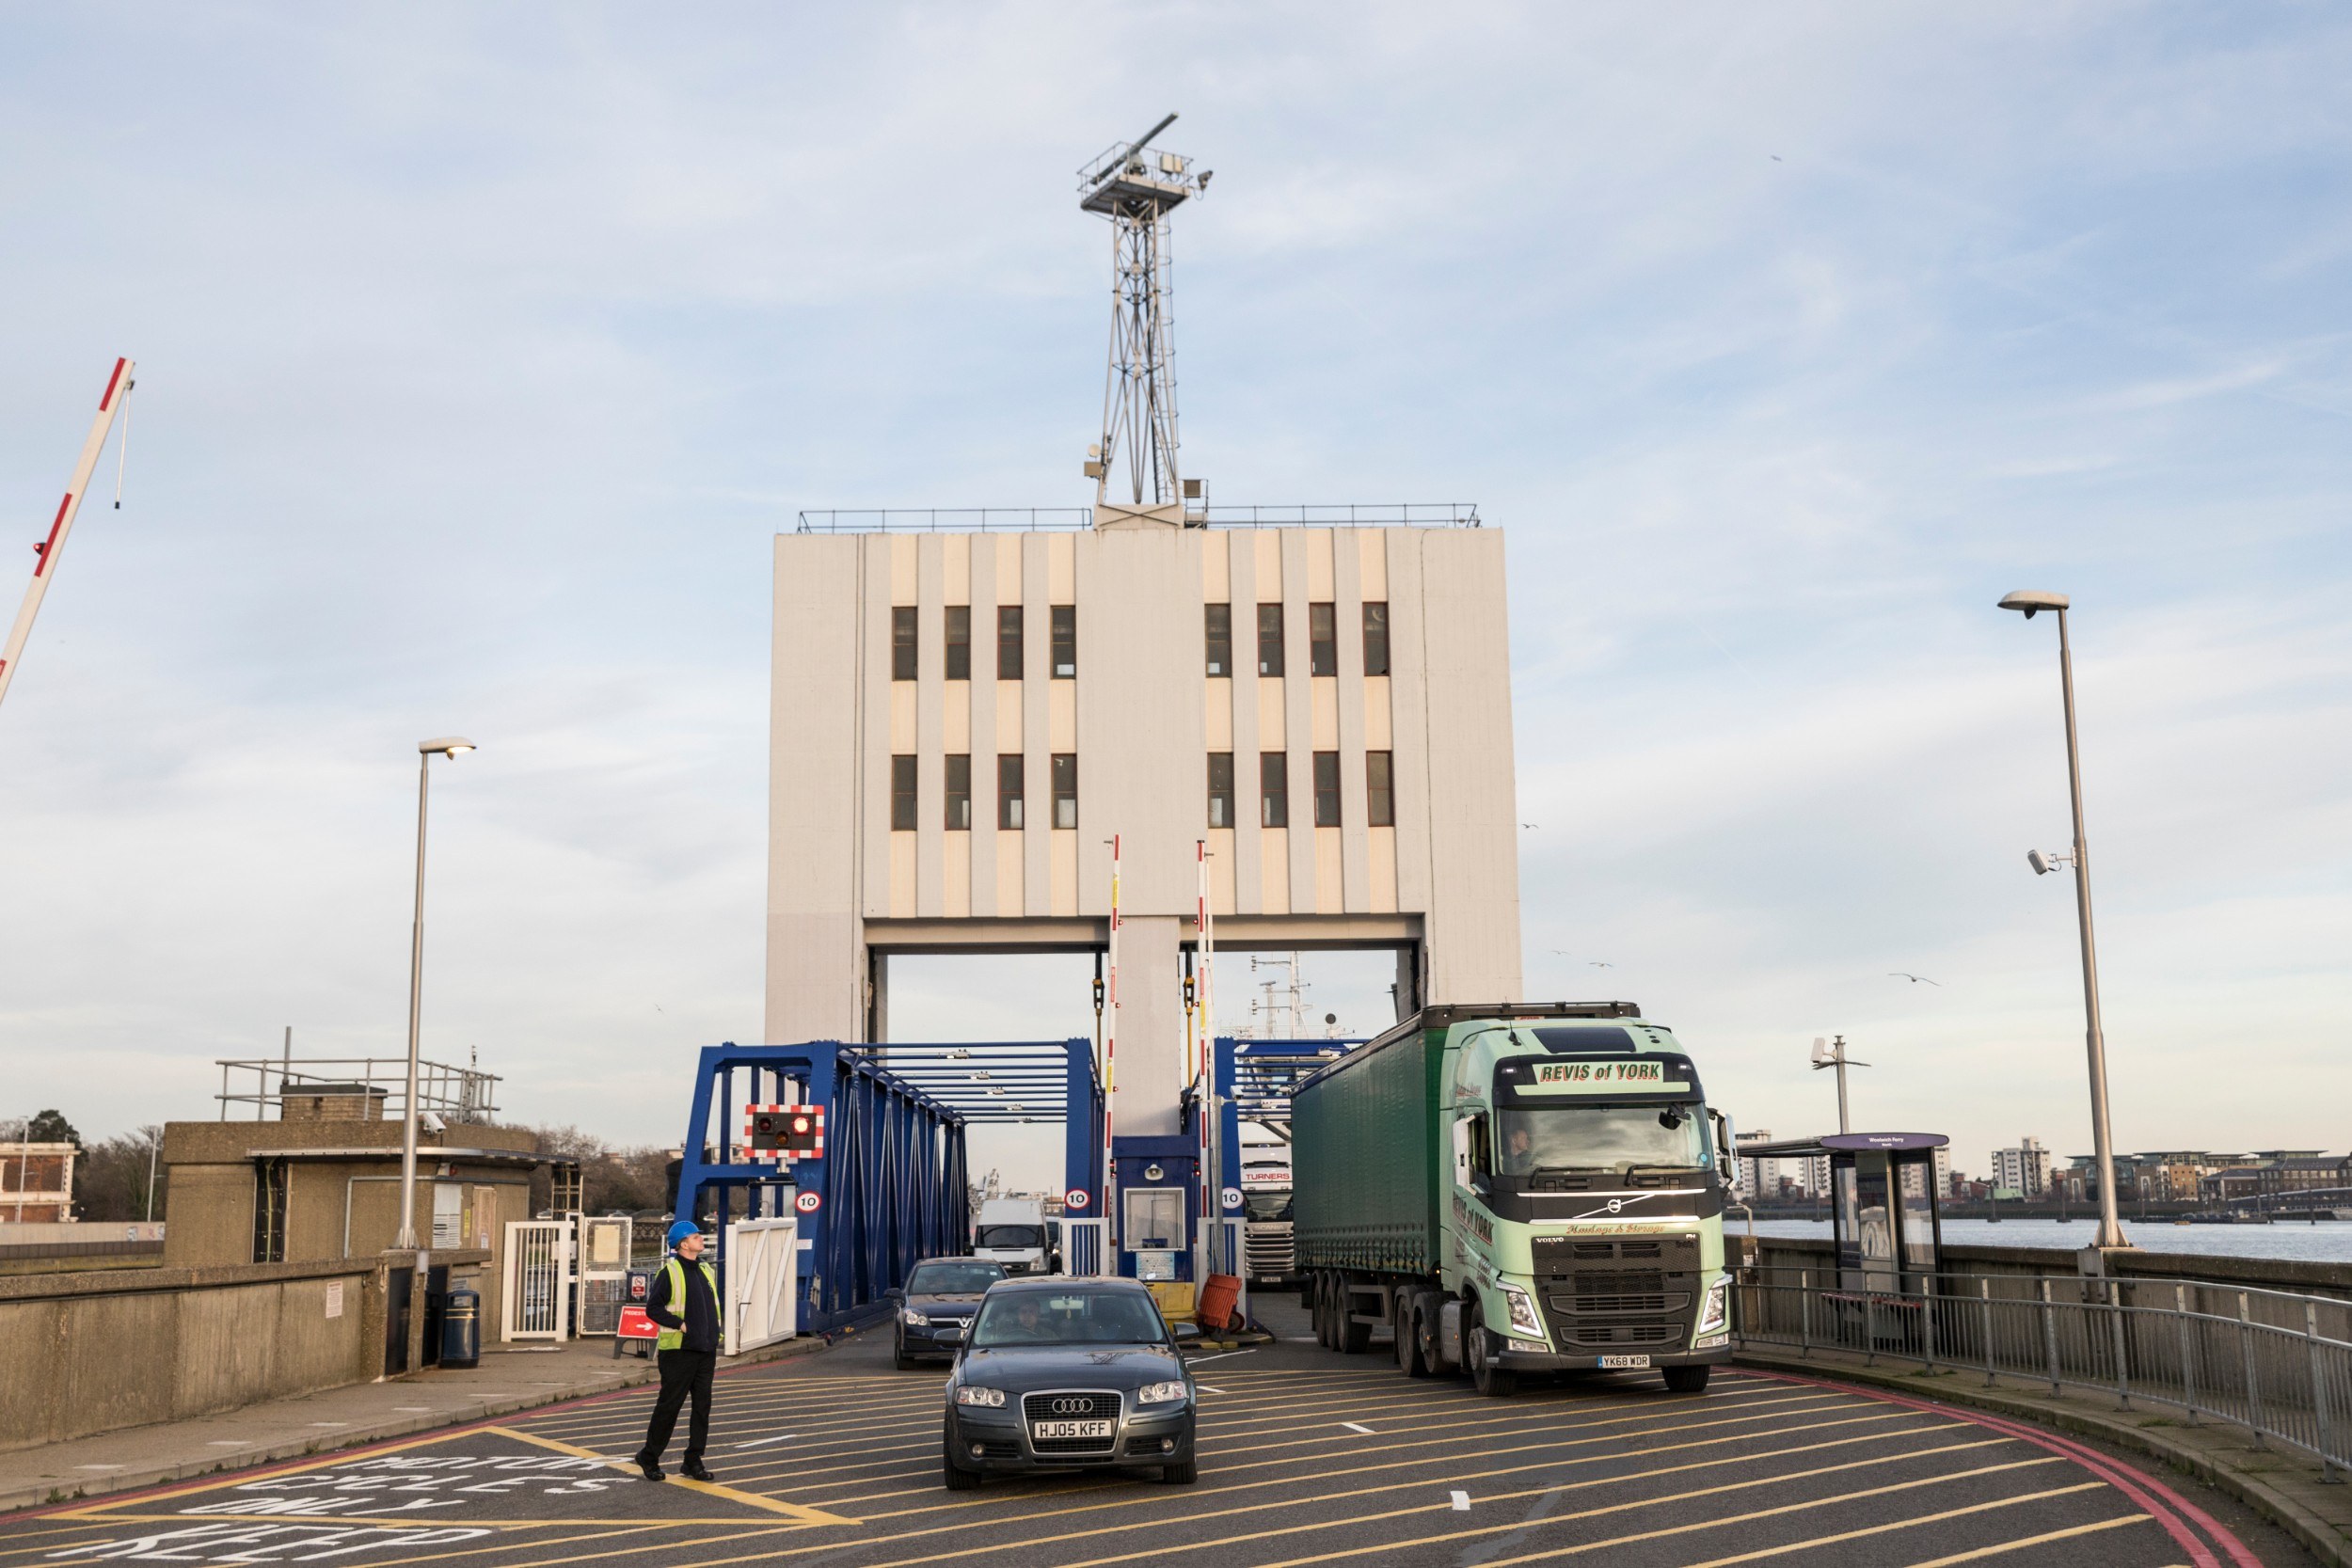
{"x":1600,"y":1137}
{"x":1011,"y":1236}
{"x":1066,"y":1318}
{"x":953,"y":1279}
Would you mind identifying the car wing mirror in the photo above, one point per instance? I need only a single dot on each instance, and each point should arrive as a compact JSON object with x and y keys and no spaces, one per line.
{"x":895,"y":1293}
{"x":1184,"y":1332}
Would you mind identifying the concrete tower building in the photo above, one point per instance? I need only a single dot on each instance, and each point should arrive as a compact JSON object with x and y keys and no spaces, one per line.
{"x":964,"y":721}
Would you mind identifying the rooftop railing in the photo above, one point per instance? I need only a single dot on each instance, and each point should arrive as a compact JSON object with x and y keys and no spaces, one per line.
{"x":456,"y":1094}
{"x":1071,"y":519}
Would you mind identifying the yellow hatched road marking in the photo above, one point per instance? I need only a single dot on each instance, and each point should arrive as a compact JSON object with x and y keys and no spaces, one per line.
{"x":2004,"y":1547}
{"x":750,"y":1500}
{"x":1328,"y":1525}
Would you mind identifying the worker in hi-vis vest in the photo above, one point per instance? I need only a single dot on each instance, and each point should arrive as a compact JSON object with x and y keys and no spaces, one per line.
{"x":683,"y":1304}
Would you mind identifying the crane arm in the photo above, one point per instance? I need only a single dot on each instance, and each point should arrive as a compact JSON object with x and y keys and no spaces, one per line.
{"x":45,"y":567}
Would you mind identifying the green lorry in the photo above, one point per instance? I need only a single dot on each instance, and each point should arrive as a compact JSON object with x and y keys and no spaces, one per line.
{"x":1514,"y":1188}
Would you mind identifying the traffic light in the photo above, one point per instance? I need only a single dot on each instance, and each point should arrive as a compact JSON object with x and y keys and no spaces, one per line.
{"x":784,"y":1133}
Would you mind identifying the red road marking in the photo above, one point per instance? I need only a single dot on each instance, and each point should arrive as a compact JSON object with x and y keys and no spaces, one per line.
{"x":2166,"y":1506}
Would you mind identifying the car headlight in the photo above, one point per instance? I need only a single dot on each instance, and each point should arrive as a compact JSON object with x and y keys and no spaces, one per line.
{"x":914,"y":1319}
{"x":969,"y":1394}
{"x":1523,"y":1318}
{"x":1161,"y":1393}
{"x":1717,"y":1308}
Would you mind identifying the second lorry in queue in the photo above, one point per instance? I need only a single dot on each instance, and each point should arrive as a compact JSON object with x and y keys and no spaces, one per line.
{"x":1516,"y":1188}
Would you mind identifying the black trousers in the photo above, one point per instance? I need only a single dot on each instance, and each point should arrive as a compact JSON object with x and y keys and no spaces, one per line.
{"x":683,"y":1373}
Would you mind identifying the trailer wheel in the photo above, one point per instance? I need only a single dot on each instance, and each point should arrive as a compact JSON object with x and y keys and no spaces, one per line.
{"x":1324,"y":1334}
{"x":1496,"y":1383}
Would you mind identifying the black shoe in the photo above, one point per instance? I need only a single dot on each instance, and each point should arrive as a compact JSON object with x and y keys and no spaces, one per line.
{"x":692,"y":1470}
{"x":647,"y":1468}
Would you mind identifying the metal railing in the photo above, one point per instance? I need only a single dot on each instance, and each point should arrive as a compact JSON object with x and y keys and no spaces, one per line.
{"x":2278,"y":1364}
{"x":456,"y":1094}
{"x":1073,"y":519}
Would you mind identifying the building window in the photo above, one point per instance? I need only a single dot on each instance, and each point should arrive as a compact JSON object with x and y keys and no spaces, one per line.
{"x":1008,"y":642}
{"x":1064,"y":618}
{"x":1327,"y":789}
{"x":1379,"y":790}
{"x":1220,"y":790}
{"x":960,"y":792}
{"x":959,"y":641}
{"x":1269,"y":640}
{"x":1220,"y":628}
{"x":271,"y":1180}
{"x":903,"y":794}
{"x":1009,"y":790}
{"x":1274,"y":790}
{"x":1323,"y":640}
{"x":1065,"y":789}
{"x":902,"y":643}
{"x":1376,"y":637}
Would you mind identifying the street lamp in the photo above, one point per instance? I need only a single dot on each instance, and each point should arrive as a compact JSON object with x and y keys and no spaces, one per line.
{"x":2030,"y":602}
{"x":448,"y":746}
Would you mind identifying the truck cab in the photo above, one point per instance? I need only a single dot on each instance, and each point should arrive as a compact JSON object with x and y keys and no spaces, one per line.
{"x":1266,"y":1197}
{"x":1585,"y":1216}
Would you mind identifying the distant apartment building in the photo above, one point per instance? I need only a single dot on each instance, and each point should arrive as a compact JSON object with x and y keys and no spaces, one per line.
{"x":35,"y":1183}
{"x":2024,"y":1169}
{"x":1944,"y":1172}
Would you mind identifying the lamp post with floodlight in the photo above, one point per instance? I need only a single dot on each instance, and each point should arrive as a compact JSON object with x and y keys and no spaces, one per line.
{"x":452,"y":747}
{"x":2032,"y":601}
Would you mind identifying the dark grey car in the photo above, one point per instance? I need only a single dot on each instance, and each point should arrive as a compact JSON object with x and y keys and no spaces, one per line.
{"x":1067,"y":1374}
{"x":936,"y":1307}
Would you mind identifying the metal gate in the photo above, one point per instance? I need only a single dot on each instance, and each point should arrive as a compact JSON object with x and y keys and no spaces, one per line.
{"x":604,"y":1243}
{"x":538,"y":1280}
{"x":1084,"y":1252}
{"x":763,"y":1276}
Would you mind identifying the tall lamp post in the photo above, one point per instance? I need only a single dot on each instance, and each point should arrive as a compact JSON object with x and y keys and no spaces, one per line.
{"x":2030,"y":602}
{"x":449,"y":746}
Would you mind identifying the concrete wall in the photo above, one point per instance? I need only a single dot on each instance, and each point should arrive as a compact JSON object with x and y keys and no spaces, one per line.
{"x":89,"y":1353}
{"x":1142,"y":717}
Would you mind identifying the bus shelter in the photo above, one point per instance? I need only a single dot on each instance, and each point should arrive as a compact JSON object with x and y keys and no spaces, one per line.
{"x":1885,"y":1233}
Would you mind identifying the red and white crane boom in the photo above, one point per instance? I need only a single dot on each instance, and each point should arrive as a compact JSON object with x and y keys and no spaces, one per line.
{"x":117,"y":386}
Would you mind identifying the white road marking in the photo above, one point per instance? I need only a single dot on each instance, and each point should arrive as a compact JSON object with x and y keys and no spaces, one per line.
{"x":414,"y":1409}
{"x":228,"y":1443}
{"x":99,"y":1466}
{"x":1300,"y":1340}
{"x":1222,"y":1355}
{"x":1461,"y":1502}
{"x":1354,"y":1426}
{"x":1206,"y":1389}
{"x":332,"y":1423}
{"x":757,"y":1441}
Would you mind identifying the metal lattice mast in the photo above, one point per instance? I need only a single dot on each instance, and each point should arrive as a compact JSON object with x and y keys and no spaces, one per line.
{"x":1137,"y":190}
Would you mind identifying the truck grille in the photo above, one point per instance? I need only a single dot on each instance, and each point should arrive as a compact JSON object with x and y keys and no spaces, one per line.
{"x":1268,"y":1247}
{"x":1610,"y":1295}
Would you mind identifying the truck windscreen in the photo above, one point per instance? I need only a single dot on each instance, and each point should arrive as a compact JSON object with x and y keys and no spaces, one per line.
{"x":1600,"y":1137}
{"x":1004,"y":1237}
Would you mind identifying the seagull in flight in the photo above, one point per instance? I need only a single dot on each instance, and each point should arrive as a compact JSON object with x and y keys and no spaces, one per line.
{"x":1597,"y":964}
{"x":1914,"y":979}
{"x":1530,"y":824}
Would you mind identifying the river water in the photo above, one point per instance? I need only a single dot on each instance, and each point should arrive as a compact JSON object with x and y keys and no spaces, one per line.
{"x":2329,"y":1242}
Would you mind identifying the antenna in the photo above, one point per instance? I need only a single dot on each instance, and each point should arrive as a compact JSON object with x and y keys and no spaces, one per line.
{"x":1136,"y":194}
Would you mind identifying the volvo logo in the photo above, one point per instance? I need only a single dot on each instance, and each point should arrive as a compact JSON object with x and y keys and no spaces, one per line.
{"x":1072,"y":1408}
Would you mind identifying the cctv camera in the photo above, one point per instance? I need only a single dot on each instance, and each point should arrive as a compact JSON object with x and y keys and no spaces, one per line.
{"x":2040,"y":862}
{"x":432,"y":1123}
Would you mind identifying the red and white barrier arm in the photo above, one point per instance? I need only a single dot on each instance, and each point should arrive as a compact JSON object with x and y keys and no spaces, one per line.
{"x":46,"y":567}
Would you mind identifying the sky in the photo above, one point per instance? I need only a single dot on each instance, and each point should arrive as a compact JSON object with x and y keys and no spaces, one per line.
{"x":481,"y":350}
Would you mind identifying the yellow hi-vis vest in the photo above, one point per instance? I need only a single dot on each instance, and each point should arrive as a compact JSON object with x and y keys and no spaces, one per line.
{"x":675,"y":1338}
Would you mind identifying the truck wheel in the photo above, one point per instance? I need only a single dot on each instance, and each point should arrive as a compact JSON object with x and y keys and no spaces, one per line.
{"x":1496,"y":1383}
{"x":1686,"y":1380}
{"x":1409,"y":1351}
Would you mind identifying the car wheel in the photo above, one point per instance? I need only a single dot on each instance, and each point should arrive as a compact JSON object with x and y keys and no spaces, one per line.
{"x":952,"y":1475}
{"x":898,"y":1356}
{"x":1180,"y":1475}
{"x":1686,"y":1380}
{"x":1496,"y":1383}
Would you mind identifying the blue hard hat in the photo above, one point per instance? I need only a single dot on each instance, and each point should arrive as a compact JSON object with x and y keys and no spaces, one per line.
{"x":682,"y":1229}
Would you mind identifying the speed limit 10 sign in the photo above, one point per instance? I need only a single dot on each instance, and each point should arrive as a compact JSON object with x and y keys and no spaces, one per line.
{"x":1075,"y":1198}
{"x":808,"y":1203}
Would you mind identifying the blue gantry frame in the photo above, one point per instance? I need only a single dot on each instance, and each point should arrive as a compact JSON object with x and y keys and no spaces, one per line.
{"x":1254,"y":1079}
{"x":892,"y":1186}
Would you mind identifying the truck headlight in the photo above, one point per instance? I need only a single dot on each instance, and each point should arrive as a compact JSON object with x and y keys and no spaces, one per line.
{"x":1716,"y":1311}
{"x":969,"y":1394}
{"x":914,"y":1319}
{"x":1524,"y":1319}
{"x":1161,"y":1393}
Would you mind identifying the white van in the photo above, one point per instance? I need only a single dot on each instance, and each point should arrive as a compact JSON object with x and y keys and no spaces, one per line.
{"x":1011,"y":1231}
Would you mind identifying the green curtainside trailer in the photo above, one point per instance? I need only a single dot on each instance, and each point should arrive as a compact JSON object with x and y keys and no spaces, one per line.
{"x":1511,"y":1188}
